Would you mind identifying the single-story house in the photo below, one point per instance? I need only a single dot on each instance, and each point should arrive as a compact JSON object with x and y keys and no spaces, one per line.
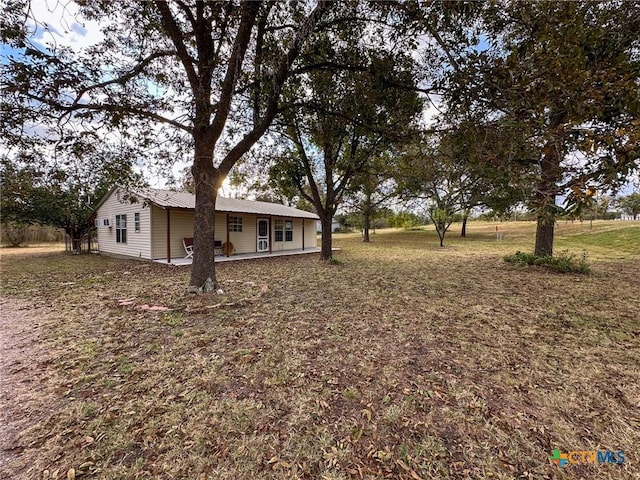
{"x":153,"y":224}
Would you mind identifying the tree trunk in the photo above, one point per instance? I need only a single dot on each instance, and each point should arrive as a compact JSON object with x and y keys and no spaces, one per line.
{"x":546,"y":216}
{"x":465,"y":217}
{"x":367,"y":225}
{"x":325,"y":249}
{"x":207,"y":182}
{"x":440,"y":230}
{"x":75,"y":238}
{"x":550,"y":174}
{"x":544,"y":235}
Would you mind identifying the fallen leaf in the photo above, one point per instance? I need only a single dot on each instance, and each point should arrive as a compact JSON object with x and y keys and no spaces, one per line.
{"x":366,"y":413}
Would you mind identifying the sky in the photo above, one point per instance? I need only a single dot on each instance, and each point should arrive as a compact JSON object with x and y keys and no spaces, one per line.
{"x":60,"y":25}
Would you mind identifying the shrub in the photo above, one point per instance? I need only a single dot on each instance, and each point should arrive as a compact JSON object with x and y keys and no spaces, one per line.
{"x":564,"y":262}
{"x":16,"y":233}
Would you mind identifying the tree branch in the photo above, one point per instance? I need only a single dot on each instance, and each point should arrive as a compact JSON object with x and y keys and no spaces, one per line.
{"x":282,"y":73}
{"x":173,"y":30}
{"x":306,"y":163}
{"x":113,"y":108}
{"x":234,"y":69}
{"x":443,"y":45}
{"x":188,"y":13}
{"x":137,"y":70}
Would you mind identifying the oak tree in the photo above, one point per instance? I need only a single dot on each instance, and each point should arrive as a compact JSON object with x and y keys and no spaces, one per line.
{"x":342,"y":118}
{"x":564,"y":75}
{"x":205,"y":76}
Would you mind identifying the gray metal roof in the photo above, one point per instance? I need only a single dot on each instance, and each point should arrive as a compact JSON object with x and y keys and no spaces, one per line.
{"x":171,"y":199}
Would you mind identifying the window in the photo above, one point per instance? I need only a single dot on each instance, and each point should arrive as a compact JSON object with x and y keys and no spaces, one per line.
{"x":279,"y":230}
{"x":288,"y":231}
{"x":121,"y":229}
{"x":235,"y":224}
{"x":136,"y":222}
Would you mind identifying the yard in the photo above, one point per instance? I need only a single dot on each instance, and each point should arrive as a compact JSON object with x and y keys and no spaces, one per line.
{"x":399,"y":360}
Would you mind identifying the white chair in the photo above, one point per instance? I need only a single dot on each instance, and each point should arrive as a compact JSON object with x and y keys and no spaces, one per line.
{"x":187,"y":242}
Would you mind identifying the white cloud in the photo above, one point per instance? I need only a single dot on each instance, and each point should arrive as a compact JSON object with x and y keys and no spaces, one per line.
{"x":57,"y":23}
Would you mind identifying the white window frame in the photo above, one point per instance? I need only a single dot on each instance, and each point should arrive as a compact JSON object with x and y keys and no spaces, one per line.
{"x":235,"y":224}
{"x":121,"y":228}
{"x":136,"y":222}
{"x":288,"y":231}
{"x":278,"y":230}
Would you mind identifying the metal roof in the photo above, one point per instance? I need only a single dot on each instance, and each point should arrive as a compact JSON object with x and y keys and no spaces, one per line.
{"x":172,"y":199}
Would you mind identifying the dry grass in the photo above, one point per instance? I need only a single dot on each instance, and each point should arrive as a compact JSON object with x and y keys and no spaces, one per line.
{"x":403,"y":361}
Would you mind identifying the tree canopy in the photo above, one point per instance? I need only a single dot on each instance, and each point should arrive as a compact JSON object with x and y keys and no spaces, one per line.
{"x":343,"y":118}
{"x":33,"y":191}
{"x":630,"y":204}
{"x":564,"y":77}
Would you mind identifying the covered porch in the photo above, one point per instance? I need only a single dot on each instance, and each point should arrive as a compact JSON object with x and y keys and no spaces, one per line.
{"x":240,"y":256}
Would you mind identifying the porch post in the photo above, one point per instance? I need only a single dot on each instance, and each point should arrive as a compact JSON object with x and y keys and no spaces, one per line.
{"x":168,"y":235}
{"x":227,"y":249}
{"x":271,"y":236}
{"x":303,"y":234}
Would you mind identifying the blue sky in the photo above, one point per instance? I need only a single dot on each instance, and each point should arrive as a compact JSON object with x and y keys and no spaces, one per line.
{"x":8,"y":51}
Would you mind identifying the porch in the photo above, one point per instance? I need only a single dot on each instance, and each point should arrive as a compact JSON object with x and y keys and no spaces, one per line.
{"x":241,"y":256}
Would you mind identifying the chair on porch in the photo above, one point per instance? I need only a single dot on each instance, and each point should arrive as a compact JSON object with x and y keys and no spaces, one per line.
{"x":187,"y":242}
{"x":217,"y":247}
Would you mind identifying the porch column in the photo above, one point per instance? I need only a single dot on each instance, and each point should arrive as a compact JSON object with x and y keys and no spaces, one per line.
{"x":303,"y":234}
{"x":168,"y":235}
{"x":227,"y":249}
{"x":271,"y":236}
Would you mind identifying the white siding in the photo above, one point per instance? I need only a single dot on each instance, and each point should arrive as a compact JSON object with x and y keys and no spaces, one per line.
{"x":310,"y":234}
{"x":151,"y":241}
{"x":181,"y":225}
{"x":245,"y":241}
{"x":138,"y":243}
{"x":221,"y":227}
{"x":296,"y":244}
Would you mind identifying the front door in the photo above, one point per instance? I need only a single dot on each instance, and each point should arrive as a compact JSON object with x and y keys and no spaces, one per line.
{"x":263,"y":235}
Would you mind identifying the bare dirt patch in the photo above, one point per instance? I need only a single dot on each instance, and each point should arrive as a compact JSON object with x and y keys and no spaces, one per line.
{"x":26,"y":398}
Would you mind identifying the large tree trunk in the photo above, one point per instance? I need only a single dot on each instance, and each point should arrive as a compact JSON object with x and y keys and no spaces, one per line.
{"x":207,"y":182}
{"x":367,"y":225}
{"x":550,"y":174}
{"x":546,"y":219}
{"x":75,"y":237}
{"x":325,"y":248}
{"x":544,"y":235}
